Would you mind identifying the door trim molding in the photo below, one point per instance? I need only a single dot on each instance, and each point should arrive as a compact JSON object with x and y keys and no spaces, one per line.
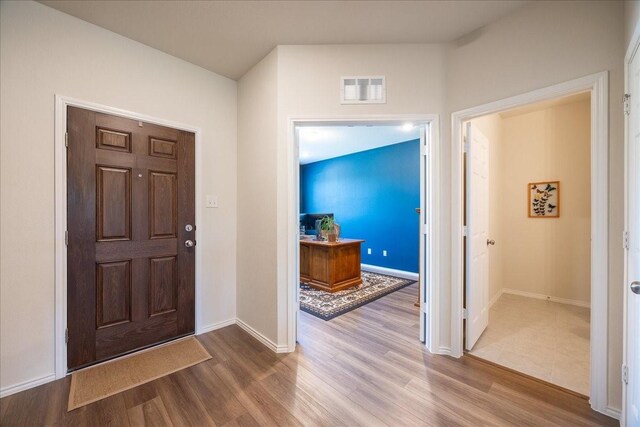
{"x":632,"y":51}
{"x":597,"y":84}
{"x":432,"y":199}
{"x":60,"y":195}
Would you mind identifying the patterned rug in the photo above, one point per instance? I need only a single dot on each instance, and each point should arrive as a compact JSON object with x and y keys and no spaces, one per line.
{"x":326,"y":305}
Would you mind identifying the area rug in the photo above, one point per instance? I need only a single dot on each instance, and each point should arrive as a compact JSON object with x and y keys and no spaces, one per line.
{"x":104,"y":380}
{"x":326,"y":305}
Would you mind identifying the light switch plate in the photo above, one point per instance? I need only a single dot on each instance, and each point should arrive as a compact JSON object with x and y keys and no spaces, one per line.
{"x":212,"y":202}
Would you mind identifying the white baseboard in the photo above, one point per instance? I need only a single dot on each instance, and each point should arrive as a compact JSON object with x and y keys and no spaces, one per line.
{"x":547,"y":298}
{"x":496,"y":297}
{"x":613,"y":413}
{"x":445,"y":351}
{"x":12,"y":389}
{"x":214,"y":326}
{"x":264,"y":340}
{"x":389,"y":271}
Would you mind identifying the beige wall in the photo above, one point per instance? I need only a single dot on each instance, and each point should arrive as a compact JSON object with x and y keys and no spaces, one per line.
{"x":42,"y":53}
{"x":529,"y":50}
{"x":524,"y":51}
{"x":542,"y":44}
{"x":309,"y":86}
{"x":547,"y":257}
{"x":257,"y":188}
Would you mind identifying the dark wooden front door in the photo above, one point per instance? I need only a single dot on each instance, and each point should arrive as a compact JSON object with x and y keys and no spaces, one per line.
{"x":130,"y":195}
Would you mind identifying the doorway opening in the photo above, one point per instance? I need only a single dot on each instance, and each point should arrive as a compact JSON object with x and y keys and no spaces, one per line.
{"x":190,"y":312}
{"x":528,"y":216}
{"x":363,"y":184}
{"x":597,"y":86}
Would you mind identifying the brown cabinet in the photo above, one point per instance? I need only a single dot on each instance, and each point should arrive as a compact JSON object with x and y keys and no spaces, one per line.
{"x":330,"y":266}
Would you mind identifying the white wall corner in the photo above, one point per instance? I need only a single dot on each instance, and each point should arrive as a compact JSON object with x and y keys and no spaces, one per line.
{"x":263,"y":339}
{"x":496,"y":297}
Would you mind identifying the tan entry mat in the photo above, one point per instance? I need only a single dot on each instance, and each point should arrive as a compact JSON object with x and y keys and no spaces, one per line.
{"x":104,"y":380}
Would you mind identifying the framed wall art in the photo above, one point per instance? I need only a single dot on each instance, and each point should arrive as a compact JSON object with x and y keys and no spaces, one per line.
{"x":544,"y":199}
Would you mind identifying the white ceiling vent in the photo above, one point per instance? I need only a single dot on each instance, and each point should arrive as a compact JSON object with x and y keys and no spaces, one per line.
{"x":363,"y":90}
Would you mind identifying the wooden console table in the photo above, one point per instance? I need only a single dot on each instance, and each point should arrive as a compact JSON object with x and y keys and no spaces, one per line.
{"x":330,"y":266}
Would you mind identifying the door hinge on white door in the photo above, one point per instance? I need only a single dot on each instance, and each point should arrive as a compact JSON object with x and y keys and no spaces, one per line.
{"x":625,"y":240}
{"x":464,"y":231}
{"x":625,"y":374}
{"x":464,"y":313}
{"x":627,"y":105}
{"x":66,"y":139}
{"x":66,"y":336}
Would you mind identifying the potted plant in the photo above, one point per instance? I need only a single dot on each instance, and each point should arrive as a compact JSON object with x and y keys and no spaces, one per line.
{"x":328,"y":228}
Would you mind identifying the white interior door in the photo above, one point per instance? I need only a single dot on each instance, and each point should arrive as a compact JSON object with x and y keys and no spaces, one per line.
{"x":632,"y":288}
{"x":477,"y":216}
{"x":423,"y":251}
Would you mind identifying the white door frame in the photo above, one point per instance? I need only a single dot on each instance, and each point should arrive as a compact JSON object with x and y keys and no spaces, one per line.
{"x":428,"y":233}
{"x":632,"y":50}
{"x":597,"y":84}
{"x":60,"y":194}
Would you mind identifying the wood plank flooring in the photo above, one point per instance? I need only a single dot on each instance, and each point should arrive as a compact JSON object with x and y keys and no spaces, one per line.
{"x":363,"y":368}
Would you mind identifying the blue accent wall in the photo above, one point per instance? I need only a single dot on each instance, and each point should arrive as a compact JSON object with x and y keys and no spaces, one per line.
{"x":373,"y":195}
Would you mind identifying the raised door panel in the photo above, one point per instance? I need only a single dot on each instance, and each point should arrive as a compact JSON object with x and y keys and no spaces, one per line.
{"x":109,"y":139}
{"x":113,"y":198}
{"x":163,"y":285}
{"x":113,"y":302}
{"x":162,"y":148}
{"x":162,"y":205}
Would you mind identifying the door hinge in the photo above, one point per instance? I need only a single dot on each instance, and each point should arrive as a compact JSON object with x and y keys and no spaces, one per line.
{"x":464,"y":313}
{"x":424,"y":150}
{"x":627,"y":104}
{"x":464,"y":231}
{"x":625,"y":240}
{"x":465,"y":146}
{"x":66,"y":237}
{"x":66,"y":336}
{"x":625,"y":374}
{"x":66,"y":139}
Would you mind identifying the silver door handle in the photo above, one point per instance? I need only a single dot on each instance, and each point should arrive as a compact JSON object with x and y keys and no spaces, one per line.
{"x":491,"y":242}
{"x":190,"y":243}
{"x":635,"y":287}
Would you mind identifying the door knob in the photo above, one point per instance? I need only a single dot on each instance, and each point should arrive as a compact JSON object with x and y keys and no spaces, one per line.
{"x":190,"y":243}
{"x":635,"y":287}
{"x":189,"y":227}
{"x":491,"y":242}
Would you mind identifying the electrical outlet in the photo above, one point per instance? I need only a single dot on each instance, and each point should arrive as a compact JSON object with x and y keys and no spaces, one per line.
{"x":384,"y":253}
{"x":212,"y":202}
{"x":368,"y":251}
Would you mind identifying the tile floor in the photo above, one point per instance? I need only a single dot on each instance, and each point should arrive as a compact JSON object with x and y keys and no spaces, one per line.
{"x":543,"y":339}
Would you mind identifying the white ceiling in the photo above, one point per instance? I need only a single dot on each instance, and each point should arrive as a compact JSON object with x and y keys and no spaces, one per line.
{"x":229,"y":37}
{"x":326,"y":142}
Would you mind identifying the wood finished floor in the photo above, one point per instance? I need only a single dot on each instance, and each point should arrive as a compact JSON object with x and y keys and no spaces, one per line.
{"x":363,"y":368}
